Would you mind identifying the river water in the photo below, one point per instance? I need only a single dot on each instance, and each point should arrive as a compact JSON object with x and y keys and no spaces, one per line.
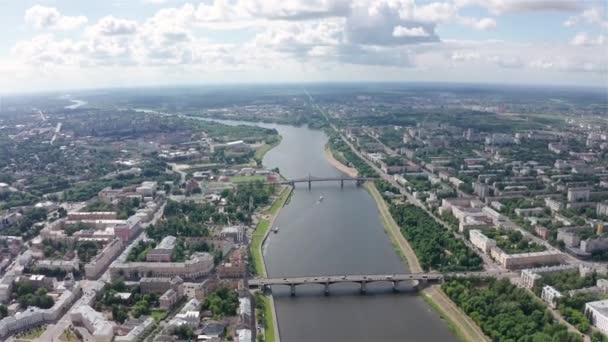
{"x":340,"y":235}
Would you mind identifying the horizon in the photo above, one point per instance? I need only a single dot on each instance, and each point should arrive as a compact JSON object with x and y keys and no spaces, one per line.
{"x":437,"y":84}
{"x":67,"y":45}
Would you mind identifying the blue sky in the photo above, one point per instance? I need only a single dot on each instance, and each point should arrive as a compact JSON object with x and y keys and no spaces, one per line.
{"x":71,"y":44}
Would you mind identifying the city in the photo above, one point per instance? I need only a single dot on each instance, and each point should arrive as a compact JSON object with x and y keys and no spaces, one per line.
{"x":304,"y":171}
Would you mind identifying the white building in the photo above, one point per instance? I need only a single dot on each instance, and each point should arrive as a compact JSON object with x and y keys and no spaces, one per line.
{"x":199,"y":265}
{"x":550,"y":295}
{"x":598,"y":314}
{"x":244,"y":335}
{"x":138,"y":328}
{"x":479,"y":240}
{"x":103,"y":259}
{"x":101,"y":329}
{"x":34,"y":317}
{"x":578,"y":194}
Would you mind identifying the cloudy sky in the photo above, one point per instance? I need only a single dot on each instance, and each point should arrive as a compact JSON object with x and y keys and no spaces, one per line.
{"x":71,"y":44}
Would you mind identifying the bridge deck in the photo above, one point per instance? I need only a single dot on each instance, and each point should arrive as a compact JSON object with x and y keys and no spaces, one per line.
{"x":432,"y":276}
{"x":343,"y":279}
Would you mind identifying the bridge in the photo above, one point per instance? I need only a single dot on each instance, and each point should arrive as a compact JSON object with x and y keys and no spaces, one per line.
{"x":431,"y":277}
{"x":311,"y":179}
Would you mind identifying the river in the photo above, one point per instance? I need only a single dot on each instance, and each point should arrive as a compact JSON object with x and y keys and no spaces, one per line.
{"x":342,"y":234}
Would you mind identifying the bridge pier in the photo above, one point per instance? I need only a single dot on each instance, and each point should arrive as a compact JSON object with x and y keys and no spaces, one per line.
{"x":293,"y":289}
{"x":395,"y":283}
{"x":309,"y":184}
{"x":363,"y":287}
{"x":359,"y":182}
{"x":327,"y":289}
{"x":342,"y":183}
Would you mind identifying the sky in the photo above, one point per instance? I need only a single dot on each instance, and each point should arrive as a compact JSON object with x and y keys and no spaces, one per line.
{"x":76,"y":44}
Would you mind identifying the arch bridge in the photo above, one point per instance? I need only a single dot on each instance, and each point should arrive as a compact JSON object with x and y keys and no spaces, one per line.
{"x":421,"y":278}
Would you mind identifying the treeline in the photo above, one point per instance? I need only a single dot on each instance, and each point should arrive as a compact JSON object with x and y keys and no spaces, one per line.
{"x":222,"y":302}
{"x":435,"y":246}
{"x":337,"y":144}
{"x":565,"y":281}
{"x":505,"y":312}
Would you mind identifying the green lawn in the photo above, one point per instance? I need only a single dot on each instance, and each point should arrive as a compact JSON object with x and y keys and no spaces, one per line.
{"x":280,"y":202}
{"x":247,"y":179}
{"x":158,"y":315}
{"x":261,"y":229}
{"x":262,"y":150}
{"x":269,"y":327}
{"x":256,"y":246}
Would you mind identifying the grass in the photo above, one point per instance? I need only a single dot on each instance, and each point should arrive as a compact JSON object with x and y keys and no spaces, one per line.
{"x":256,"y":246}
{"x":262,"y":150}
{"x":269,"y":322}
{"x":262,"y":228}
{"x":280,"y":202}
{"x":158,"y":315}
{"x":247,"y":179}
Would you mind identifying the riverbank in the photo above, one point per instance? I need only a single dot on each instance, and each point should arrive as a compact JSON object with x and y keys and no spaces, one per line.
{"x":458,"y":321}
{"x":262,"y":150}
{"x":260,"y":235}
{"x":329,"y":156}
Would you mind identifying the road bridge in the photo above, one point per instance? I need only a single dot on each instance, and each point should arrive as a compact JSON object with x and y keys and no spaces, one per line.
{"x":362,"y":280}
{"x":311,"y":179}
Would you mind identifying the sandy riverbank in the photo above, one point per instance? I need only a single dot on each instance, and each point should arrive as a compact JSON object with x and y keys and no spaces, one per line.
{"x":351,"y":172}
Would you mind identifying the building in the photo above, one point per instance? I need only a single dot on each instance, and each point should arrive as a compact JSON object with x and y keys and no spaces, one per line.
{"x":553,"y":205}
{"x":128,"y":230}
{"x":188,"y":315}
{"x":542,"y":232}
{"x":234,"y":233}
{"x":602,"y":209}
{"x":597,"y":312}
{"x":244,"y":312}
{"x":168,"y":299}
{"x":33,"y":317}
{"x":479,"y":240}
{"x":91,"y":215}
{"x":161,"y":285}
{"x":197,"y":267}
{"x":97,"y":325}
{"x":147,"y":189}
{"x":550,"y":295}
{"x":578,"y":194}
{"x":163,"y":251}
{"x":525,"y":260}
{"x":101,"y":261}
{"x":134,"y":329}
{"x":244,"y":335}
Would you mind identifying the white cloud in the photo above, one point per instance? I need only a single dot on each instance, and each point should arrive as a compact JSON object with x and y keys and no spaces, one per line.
{"x":111,"y":26}
{"x":508,"y":62}
{"x":400,"y":31}
{"x":504,"y":6}
{"x":465,"y":56}
{"x":485,"y":24}
{"x":593,"y":16}
{"x":42,"y":17}
{"x":582,"y":39}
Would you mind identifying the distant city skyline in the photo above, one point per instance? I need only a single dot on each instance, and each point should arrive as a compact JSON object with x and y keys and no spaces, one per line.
{"x":71,"y":44}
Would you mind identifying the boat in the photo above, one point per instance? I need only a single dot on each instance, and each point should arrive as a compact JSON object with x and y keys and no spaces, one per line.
{"x":275,"y":229}
{"x":320,"y":198}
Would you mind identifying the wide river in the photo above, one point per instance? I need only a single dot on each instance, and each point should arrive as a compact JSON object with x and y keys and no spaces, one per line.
{"x":342,"y":234}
